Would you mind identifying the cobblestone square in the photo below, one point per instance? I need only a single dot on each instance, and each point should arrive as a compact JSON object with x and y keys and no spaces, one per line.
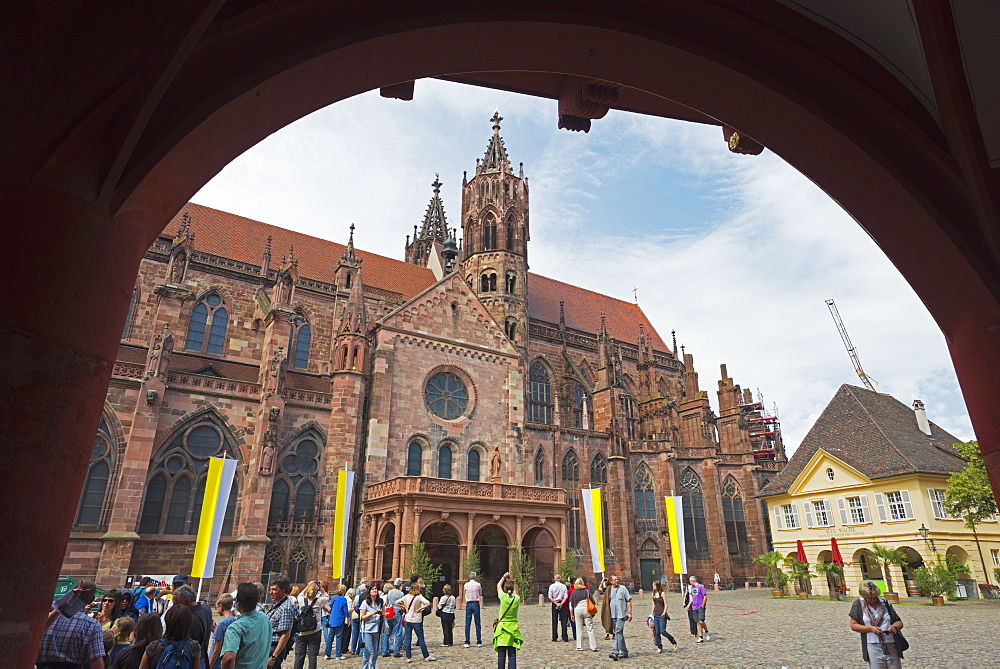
{"x":748,"y":628}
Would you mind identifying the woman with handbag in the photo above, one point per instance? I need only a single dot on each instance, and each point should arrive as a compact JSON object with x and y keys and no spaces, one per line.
{"x":660,"y":618}
{"x":582,"y":610}
{"x":413,"y":606}
{"x":507,"y":637}
{"x":446,"y":611}
{"x":875,"y":619}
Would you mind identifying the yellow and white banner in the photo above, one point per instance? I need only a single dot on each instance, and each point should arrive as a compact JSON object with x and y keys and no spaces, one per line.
{"x":593,"y":512}
{"x":341,"y":521}
{"x":675,"y":525}
{"x":218,"y":485}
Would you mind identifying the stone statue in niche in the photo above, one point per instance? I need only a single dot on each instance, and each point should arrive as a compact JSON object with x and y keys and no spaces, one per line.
{"x":177,"y":268}
{"x":495,"y":464}
{"x":158,"y":358}
{"x":267,"y":453}
{"x":274,"y":374}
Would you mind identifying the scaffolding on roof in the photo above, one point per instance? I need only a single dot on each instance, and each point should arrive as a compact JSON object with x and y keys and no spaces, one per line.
{"x":765,"y":429}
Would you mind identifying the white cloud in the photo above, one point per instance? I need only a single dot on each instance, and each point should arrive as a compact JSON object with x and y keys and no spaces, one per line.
{"x":743,"y":282}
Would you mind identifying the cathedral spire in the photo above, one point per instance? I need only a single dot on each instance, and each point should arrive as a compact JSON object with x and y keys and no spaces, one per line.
{"x":355,"y":318}
{"x":432,"y":234}
{"x":348,"y":257}
{"x":495,"y":159}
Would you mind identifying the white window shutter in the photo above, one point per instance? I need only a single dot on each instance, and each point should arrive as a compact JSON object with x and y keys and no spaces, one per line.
{"x":795,"y":516}
{"x":844,"y":518}
{"x":778,"y":521}
{"x":807,"y":507}
{"x":907,"y":507}
{"x":880,"y":505}
{"x":829,"y":512}
{"x":864,"y":507}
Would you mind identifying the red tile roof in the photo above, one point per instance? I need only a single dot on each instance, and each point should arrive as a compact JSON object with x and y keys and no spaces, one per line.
{"x":239,"y":238}
{"x":583,"y":310}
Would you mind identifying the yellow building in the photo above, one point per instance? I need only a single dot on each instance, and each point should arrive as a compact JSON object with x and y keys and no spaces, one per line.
{"x":872,"y":470}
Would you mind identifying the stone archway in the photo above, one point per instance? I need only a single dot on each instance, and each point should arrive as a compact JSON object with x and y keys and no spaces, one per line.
{"x":442,"y":543}
{"x":540,"y":546}
{"x":494,"y":556}
{"x":388,"y":551}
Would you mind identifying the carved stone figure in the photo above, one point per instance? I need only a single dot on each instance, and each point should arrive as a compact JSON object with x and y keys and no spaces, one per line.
{"x":495,"y":464}
{"x":276,"y":370}
{"x":158,"y":358}
{"x":177,"y":268}
{"x":267,"y":454}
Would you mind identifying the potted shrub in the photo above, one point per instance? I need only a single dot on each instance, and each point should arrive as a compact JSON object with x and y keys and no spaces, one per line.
{"x":834,"y":576}
{"x":935,"y":581}
{"x":776,"y":578}
{"x":887,"y":556}
{"x":802,"y":575}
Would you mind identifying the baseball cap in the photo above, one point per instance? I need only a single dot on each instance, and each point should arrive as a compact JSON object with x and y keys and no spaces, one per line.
{"x":398,"y":581}
{"x":180,"y":578}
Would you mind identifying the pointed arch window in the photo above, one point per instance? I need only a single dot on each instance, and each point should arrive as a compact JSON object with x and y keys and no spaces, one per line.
{"x":472,"y":470}
{"x":645,"y":494}
{"x":300,"y":341}
{"x":91,"y":516}
{"x":293,"y":493}
{"x":571,"y":482}
{"x":583,"y":408}
{"x":695,"y":531}
{"x":736,"y":525}
{"x":272,"y":563}
{"x":539,"y":395}
{"x":177,"y":480}
{"x":130,"y":316}
{"x":489,"y":232}
{"x":539,"y":467}
{"x":510,"y":225}
{"x":207,"y":330}
{"x":470,"y":239}
{"x":630,"y":415}
{"x":414,"y":455}
{"x":599,"y":479}
{"x":444,"y":462}
{"x":298,"y":565}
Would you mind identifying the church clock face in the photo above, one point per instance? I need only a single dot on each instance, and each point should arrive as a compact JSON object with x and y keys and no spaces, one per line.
{"x":446,"y":396}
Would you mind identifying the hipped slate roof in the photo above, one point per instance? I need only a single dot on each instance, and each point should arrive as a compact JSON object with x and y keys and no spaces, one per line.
{"x":877,"y":435}
{"x":239,"y":238}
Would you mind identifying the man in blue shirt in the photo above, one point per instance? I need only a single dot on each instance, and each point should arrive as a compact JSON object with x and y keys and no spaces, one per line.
{"x":247,"y":642}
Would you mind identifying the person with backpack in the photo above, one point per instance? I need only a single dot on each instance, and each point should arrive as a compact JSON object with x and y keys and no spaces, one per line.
{"x":312,"y":601}
{"x":176,"y":650}
{"x":147,"y":630}
{"x":371,"y":616}
{"x":414,"y":605}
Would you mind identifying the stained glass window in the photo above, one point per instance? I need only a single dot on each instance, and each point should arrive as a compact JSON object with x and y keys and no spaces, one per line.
{"x":446,"y":396}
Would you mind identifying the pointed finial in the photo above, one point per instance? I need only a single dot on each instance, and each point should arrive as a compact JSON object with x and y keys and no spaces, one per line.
{"x":635,"y":294}
{"x":496,"y":120}
{"x":673,"y":333}
{"x":562,"y":315}
{"x":437,"y":183}
{"x":350,"y":239}
{"x":683,"y":353}
{"x":267,"y":248}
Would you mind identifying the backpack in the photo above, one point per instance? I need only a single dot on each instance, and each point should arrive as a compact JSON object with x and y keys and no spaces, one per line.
{"x":306,"y":620}
{"x":176,"y":655}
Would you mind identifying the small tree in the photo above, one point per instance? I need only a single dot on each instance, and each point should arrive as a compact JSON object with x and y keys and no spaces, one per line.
{"x":776,"y":578}
{"x":801,"y":574}
{"x":569,"y":567}
{"x":473,"y":563}
{"x":887,"y":556}
{"x":420,"y":564}
{"x":969,"y":495}
{"x":935,"y":580}
{"x":522,"y":571}
{"x":834,"y":573}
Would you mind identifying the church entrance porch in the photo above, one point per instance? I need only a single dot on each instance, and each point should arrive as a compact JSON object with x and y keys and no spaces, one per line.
{"x":449,"y":516}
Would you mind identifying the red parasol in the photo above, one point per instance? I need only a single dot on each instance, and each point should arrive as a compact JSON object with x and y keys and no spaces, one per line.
{"x":835,"y":551}
{"x":801,"y":556}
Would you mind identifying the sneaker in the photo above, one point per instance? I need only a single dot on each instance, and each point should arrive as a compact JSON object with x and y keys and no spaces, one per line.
{"x":430,"y":658}
{"x":700,"y":640}
{"x":708,"y":637}
{"x":340,"y":658}
{"x":409,"y":659}
{"x":327,"y":657}
{"x":613,"y":656}
{"x":673,"y":649}
{"x":445,"y":645}
{"x":658,"y":650}
{"x":465,"y":646}
{"x":479,"y":645}
{"x":594,"y":649}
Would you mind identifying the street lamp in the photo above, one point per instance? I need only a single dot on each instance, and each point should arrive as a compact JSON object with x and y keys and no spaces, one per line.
{"x":925,"y":533}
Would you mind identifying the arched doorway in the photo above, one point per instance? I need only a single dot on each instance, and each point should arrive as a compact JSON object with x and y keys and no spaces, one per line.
{"x":441,"y":541}
{"x":388,"y":551}
{"x":650,"y":564}
{"x":494,"y":556}
{"x":540,"y":546}
{"x":869,"y":566}
{"x":913,"y":562}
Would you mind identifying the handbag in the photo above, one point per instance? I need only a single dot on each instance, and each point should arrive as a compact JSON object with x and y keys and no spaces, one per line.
{"x":591,"y":607}
{"x":496,"y":621}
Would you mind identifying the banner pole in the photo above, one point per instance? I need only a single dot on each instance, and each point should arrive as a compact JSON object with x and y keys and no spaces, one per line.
{"x":198,"y":597}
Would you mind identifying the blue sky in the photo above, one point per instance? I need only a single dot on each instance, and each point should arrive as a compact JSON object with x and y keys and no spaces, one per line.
{"x":737,"y":253}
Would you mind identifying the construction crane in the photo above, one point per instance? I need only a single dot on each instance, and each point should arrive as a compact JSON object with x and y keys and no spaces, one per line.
{"x":870,"y":383}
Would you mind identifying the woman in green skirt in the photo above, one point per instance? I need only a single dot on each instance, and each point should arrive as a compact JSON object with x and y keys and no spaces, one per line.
{"x":507,"y":633}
